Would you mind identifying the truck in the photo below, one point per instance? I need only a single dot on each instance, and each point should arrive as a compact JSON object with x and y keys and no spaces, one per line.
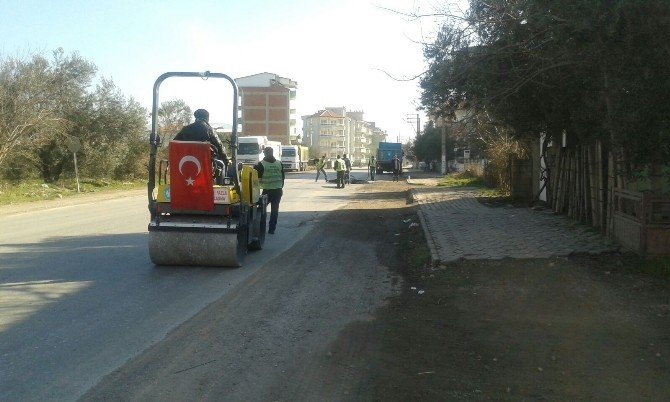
{"x":294,"y":157}
{"x":250,"y":150}
{"x":385,"y":154}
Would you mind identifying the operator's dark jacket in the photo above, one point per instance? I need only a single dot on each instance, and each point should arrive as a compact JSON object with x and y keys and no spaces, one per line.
{"x":200,"y":130}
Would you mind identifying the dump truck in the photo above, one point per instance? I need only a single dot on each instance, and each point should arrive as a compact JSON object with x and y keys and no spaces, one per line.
{"x":202,"y":212}
{"x":294,"y":157}
{"x":385,"y":154}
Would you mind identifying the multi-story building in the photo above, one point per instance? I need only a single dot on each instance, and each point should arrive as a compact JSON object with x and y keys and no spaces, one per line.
{"x":362,"y":140}
{"x":327,"y":132}
{"x":334,"y":131}
{"x":265,"y":105}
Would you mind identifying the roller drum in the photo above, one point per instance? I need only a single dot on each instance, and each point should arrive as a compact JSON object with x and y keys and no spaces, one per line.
{"x":197,"y":249}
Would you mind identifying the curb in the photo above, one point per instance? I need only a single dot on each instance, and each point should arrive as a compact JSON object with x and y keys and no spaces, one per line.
{"x":434,"y":256}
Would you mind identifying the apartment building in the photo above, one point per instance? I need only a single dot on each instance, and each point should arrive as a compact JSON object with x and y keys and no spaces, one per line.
{"x":266,"y":107}
{"x":327,"y":132}
{"x":335,"y":131}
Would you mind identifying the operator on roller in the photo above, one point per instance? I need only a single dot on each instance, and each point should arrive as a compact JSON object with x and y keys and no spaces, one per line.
{"x":200,"y":130}
{"x":271,"y":175}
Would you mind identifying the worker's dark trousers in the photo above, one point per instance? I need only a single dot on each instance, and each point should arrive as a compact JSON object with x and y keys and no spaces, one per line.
{"x":340,"y":178}
{"x":274,"y":197}
{"x":372,"y":172}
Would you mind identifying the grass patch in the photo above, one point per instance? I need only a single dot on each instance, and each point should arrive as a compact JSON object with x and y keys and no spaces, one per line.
{"x":490,"y":193}
{"x":37,"y":190}
{"x":466,"y":179}
{"x":418,"y":252}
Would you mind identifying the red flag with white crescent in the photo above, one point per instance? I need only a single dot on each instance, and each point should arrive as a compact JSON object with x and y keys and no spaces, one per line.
{"x":191,"y":176}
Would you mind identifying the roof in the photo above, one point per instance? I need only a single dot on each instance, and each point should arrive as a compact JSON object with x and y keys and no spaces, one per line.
{"x":328,"y":113}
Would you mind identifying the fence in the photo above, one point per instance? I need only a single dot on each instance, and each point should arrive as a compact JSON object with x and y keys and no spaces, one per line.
{"x":641,"y":221}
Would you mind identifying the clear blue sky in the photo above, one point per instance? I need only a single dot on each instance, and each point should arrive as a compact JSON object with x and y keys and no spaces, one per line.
{"x":334,"y":50}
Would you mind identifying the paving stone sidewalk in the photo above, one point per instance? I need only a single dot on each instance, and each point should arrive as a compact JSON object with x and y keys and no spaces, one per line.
{"x":457,"y":226}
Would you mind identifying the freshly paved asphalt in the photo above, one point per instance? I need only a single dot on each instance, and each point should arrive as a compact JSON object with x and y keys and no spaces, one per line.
{"x":457,"y":227}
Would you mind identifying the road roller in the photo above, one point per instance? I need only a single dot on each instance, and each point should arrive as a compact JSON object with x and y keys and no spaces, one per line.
{"x":202,"y":212}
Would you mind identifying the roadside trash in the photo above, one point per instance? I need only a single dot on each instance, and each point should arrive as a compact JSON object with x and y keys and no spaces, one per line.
{"x":413,"y":224}
{"x":406,"y":220}
{"x":420,"y":291}
{"x":397,"y":234}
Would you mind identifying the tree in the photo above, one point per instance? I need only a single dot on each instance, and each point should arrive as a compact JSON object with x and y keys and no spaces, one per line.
{"x":43,"y":102}
{"x":69,"y":78}
{"x":592,"y":70}
{"x":172,"y":116}
{"x":428,"y":146}
{"x":115,"y":125}
{"x":34,"y":96}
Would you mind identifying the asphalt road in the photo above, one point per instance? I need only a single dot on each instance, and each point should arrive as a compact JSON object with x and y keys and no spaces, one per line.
{"x":79,"y":296}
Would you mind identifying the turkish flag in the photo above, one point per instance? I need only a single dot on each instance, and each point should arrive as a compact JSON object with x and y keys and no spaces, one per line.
{"x":191,"y":185}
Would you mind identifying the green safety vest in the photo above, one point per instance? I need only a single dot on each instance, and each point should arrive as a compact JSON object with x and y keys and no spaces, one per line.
{"x":339,"y":165}
{"x":271,"y":175}
{"x":320,"y":164}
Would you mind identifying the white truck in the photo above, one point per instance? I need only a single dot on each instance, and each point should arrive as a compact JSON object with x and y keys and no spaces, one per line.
{"x":250,"y":149}
{"x":294,"y":157}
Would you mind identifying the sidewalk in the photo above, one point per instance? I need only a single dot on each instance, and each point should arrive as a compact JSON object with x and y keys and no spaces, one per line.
{"x":457,"y":227}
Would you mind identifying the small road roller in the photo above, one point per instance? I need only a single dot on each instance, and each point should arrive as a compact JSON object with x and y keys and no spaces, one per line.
{"x":203,"y":213}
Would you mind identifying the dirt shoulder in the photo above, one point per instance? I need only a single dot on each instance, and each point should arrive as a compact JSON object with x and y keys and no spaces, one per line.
{"x":355,"y":311}
{"x":579,"y":328}
{"x":84,"y":198}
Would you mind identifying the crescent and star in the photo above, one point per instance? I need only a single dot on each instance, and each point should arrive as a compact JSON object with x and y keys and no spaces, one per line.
{"x":192,"y":159}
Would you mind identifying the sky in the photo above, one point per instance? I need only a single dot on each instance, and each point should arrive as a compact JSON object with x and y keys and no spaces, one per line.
{"x":352,"y":53}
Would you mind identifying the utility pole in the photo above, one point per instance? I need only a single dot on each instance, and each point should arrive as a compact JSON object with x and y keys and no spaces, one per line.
{"x":418,"y":125}
{"x":415,"y":119}
{"x":443,"y":167}
{"x":74,"y":145}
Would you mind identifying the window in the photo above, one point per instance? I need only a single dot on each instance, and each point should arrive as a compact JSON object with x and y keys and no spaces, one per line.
{"x":248,"y":149}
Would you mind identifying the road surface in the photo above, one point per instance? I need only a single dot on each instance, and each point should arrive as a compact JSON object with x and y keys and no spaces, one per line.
{"x":79,"y":295}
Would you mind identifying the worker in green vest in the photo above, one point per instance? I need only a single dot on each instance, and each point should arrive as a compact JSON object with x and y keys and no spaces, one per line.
{"x":372,"y":167}
{"x":340,"y":168}
{"x":320,"y":165}
{"x":271,"y":176}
